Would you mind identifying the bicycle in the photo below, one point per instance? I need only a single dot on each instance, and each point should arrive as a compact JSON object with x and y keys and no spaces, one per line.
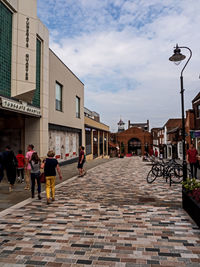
{"x":168,"y":170}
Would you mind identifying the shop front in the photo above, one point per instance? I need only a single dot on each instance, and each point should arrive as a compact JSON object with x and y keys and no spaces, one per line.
{"x":17,"y":121}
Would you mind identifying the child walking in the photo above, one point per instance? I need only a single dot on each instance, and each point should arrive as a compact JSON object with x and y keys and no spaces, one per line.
{"x":20,"y":167}
{"x":35,"y":174}
{"x":50,"y":166}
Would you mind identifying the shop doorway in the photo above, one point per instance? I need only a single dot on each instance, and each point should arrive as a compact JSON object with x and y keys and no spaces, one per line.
{"x":11,"y":131}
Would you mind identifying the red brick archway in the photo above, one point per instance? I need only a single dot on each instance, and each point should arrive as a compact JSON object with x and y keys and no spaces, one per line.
{"x":134,"y":133}
{"x":135,"y":146}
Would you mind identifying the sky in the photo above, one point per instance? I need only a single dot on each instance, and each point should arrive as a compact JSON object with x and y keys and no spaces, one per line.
{"x":120,"y":50}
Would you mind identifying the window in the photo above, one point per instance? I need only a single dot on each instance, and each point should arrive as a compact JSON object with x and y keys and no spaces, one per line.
{"x":77,"y":107}
{"x":58,"y":96}
{"x":198,"y":111}
{"x":5,"y":50}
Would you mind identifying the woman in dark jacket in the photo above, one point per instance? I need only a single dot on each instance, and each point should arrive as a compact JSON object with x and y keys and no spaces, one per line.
{"x":10,"y":164}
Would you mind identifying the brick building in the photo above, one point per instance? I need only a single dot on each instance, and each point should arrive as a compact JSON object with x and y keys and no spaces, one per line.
{"x":155,"y":132}
{"x":134,"y":140}
{"x":172,"y":138}
{"x":193,"y":123}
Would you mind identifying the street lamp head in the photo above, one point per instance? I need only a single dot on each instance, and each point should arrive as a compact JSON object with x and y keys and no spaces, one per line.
{"x":177,"y":56}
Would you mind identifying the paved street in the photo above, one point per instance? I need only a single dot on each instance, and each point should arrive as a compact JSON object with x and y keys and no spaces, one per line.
{"x":110,"y":217}
{"x":8,"y":199}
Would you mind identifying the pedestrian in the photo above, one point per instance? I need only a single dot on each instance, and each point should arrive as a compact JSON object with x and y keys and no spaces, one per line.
{"x":81,"y":162}
{"x":28,"y":166}
{"x":50,"y":165}
{"x":192,"y":157}
{"x":20,"y":168}
{"x":1,"y":167}
{"x":10,"y":165}
{"x":35,"y":163}
{"x":156,"y":153}
{"x":151,"y":152}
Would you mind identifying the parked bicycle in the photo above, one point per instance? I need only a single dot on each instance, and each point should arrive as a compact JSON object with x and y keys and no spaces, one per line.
{"x":170,"y":170}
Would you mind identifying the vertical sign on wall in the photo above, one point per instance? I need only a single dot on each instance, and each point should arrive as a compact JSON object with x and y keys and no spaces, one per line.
{"x":67,"y":146}
{"x":74,"y":145}
{"x":57,"y":144}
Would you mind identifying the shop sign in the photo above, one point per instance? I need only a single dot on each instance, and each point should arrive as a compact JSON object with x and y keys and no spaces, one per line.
{"x":27,"y":45}
{"x":27,"y":32}
{"x":194,"y":134}
{"x":22,"y":107}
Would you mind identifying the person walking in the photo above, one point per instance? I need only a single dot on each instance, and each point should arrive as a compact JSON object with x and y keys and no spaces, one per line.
{"x":50,"y":165}
{"x":28,"y":166}
{"x":192,"y":155}
{"x":81,"y":162}
{"x":10,"y":165}
{"x":35,"y":163}
{"x":20,"y":168}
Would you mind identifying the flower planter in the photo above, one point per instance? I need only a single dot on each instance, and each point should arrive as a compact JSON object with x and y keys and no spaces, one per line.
{"x":191,"y":207}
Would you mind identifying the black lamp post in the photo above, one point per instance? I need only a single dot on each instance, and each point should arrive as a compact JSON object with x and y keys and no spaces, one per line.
{"x":177,"y":58}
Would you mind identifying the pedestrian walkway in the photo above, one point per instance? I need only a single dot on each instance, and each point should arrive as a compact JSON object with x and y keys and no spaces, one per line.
{"x":110,"y":217}
{"x":8,"y":199}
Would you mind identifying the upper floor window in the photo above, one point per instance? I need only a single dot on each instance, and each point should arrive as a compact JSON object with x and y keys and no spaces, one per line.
{"x":77,"y":107}
{"x":58,"y":96}
{"x":198,"y":111}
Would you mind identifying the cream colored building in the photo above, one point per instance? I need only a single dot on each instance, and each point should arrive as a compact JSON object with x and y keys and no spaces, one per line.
{"x":96,"y":136}
{"x":66,"y":110}
{"x":41,"y":100}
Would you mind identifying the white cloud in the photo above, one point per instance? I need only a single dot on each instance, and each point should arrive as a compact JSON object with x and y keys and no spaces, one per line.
{"x":124,"y":66}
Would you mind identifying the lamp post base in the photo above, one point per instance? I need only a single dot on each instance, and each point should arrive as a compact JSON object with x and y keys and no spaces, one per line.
{"x":184,"y":170}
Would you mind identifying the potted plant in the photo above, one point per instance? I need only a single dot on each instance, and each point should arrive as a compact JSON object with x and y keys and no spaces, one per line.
{"x":191,"y":199}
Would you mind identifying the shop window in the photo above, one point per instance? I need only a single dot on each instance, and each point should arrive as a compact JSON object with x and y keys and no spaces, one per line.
{"x":58,"y":96}
{"x":5,"y":50}
{"x":88,"y":143}
{"x":77,"y":107}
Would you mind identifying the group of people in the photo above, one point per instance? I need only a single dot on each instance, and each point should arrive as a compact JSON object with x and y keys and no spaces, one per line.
{"x":28,"y":169}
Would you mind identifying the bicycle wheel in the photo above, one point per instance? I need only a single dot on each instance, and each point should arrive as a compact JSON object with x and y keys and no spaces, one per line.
{"x":151,"y":177}
{"x":178,"y":169}
{"x":176,"y":174}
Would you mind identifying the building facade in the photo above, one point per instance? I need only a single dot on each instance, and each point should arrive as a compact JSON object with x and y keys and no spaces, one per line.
{"x":24,"y":75}
{"x":66,"y":110}
{"x":41,"y":99}
{"x":96,"y":135}
{"x":193,"y":123}
{"x":173,"y":139}
{"x":156,"y":141}
{"x":134,"y":141}
{"x":143,"y":125}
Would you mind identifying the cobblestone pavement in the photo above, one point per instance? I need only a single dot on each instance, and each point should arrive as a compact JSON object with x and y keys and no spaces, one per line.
{"x":8,"y":199}
{"x":110,"y":217}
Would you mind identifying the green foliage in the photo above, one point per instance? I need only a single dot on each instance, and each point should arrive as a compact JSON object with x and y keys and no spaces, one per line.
{"x":191,"y":184}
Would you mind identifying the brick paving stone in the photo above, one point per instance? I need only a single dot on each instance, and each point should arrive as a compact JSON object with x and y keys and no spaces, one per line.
{"x":110,"y":217}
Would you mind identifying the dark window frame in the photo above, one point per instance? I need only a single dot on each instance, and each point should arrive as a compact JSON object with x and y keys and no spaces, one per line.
{"x":198,"y":111}
{"x":59,"y":103}
{"x":78,"y":114}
